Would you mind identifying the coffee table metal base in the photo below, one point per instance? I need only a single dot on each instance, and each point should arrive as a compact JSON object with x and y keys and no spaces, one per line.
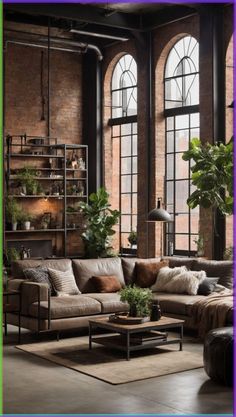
{"x":122,"y":339}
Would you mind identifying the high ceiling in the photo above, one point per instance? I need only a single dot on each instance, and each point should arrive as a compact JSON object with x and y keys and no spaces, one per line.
{"x":100,"y":23}
{"x":137,"y":8}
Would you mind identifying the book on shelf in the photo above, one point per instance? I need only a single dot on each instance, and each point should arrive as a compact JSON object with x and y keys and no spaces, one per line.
{"x":145,"y":337}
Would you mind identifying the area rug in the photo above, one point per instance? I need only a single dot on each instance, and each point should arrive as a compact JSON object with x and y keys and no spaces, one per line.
{"x":111,"y":365}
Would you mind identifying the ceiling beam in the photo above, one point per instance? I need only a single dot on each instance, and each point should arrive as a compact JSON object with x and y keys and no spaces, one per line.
{"x":66,"y":25}
{"x":166,"y":16}
{"x":79,"y":13}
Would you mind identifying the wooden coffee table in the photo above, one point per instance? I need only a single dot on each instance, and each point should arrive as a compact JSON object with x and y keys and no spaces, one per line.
{"x":131,"y":337}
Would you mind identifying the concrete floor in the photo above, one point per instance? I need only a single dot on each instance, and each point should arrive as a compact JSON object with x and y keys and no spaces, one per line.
{"x":32,"y":385}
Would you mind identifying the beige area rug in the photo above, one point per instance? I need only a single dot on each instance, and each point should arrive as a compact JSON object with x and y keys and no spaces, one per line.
{"x":111,"y":365}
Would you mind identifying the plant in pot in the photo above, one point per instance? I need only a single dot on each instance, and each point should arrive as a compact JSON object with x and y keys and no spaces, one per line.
{"x":139,"y":300}
{"x":100,"y":219}
{"x":212,"y":176}
{"x":133,"y":239}
{"x":12,"y":212}
{"x":25,"y":220}
{"x":26,"y":177}
{"x":11,"y":254}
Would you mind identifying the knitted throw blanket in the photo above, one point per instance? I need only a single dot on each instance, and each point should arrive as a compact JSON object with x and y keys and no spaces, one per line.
{"x":212,"y":312}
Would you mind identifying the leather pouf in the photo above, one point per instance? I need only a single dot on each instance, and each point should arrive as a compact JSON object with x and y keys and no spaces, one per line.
{"x":218,"y":355}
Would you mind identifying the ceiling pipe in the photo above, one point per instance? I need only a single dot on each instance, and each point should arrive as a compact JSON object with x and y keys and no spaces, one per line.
{"x":37,"y":45}
{"x":99,"y":35}
{"x":62,"y":41}
{"x":86,"y":46}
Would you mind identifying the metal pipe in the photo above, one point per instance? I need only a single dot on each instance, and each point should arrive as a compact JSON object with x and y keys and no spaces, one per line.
{"x":86,"y":46}
{"x":37,"y":45}
{"x":57,"y":48}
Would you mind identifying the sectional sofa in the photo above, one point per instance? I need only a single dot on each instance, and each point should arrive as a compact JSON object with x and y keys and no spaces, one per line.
{"x":43,"y":312}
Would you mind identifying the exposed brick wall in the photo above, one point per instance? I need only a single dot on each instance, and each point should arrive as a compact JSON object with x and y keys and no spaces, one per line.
{"x":23,"y":109}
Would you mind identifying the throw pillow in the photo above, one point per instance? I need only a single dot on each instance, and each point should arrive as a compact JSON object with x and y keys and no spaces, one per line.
{"x":165,"y":275}
{"x":207,"y":286}
{"x":63,"y":282}
{"x":40,"y":275}
{"x":146,"y":273}
{"x":106,"y":283}
{"x":183,"y":282}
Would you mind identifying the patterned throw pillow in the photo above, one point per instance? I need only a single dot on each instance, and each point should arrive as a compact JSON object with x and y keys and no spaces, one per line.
{"x":63,"y":282}
{"x":106,"y":283}
{"x":40,"y":275}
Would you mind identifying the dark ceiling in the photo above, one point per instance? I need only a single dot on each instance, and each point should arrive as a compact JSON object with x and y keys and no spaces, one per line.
{"x":101,"y":23}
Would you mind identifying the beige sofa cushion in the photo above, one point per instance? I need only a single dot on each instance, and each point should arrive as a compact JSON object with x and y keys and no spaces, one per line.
{"x":180,"y":304}
{"x":68,"y":306}
{"x":84,"y":269}
{"x":110,"y":303}
{"x":19,"y":266}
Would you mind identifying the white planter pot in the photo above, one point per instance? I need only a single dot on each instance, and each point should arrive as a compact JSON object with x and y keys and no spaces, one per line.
{"x":27,"y":225}
{"x":14,"y":226}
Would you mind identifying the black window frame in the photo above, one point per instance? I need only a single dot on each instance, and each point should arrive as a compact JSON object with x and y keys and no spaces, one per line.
{"x":119,"y":121}
{"x":170,"y":233}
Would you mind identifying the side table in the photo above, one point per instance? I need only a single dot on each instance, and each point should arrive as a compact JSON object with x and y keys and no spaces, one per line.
{"x":12,"y":308}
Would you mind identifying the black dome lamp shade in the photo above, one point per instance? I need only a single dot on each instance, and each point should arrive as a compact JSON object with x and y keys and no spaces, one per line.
{"x":159,"y":214}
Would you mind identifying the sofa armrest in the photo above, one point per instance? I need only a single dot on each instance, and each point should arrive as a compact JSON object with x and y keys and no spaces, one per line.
{"x":32,"y":292}
{"x":14,"y":284}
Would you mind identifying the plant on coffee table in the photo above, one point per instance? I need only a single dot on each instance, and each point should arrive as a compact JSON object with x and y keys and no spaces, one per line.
{"x":139,"y":300}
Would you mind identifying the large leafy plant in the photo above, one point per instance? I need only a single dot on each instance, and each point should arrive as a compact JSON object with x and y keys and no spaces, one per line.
{"x":139,"y":300}
{"x":212,"y":175}
{"x":100,"y":219}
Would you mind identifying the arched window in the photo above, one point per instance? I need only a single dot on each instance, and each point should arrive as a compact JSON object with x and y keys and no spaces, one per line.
{"x":124,"y":145}
{"x":181,"y":82}
{"x":124,"y":87}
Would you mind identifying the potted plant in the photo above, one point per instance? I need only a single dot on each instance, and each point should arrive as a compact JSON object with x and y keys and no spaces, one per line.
{"x":12,"y":254}
{"x":12,"y":212}
{"x":26,"y":177}
{"x":139,"y":300}
{"x":100,"y":219}
{"x":212,"y":175}
{"x":25,"y":220}
{"x":46,"y":220}
{"x":133,"y":239}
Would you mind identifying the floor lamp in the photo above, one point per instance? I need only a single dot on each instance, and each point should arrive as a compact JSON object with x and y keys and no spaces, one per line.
{"x":159,"y":214}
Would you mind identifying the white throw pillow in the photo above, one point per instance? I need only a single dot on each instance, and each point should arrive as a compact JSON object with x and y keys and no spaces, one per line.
{"x":63,"y":282}
{"x":165,"y":275}
{"x":179,"y":282}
